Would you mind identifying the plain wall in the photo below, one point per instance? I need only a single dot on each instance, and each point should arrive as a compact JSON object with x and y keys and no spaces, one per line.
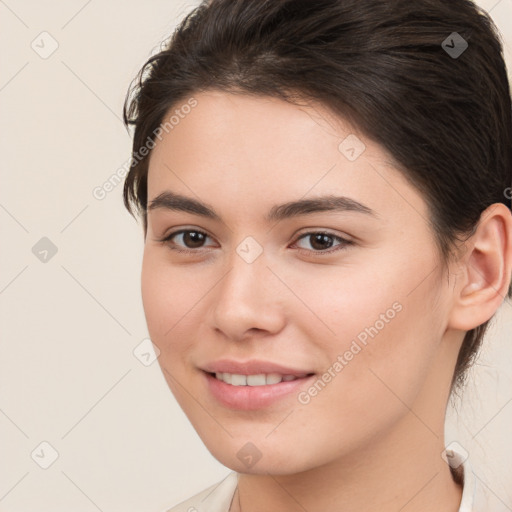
{"x":72,"y":320}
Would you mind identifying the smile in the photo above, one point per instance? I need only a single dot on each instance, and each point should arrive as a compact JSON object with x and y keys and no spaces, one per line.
{"x":254,"y":391}
{"x":260,"y":379}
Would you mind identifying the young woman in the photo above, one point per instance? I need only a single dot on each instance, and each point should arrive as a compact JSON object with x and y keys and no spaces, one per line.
{"x":325,"y":192}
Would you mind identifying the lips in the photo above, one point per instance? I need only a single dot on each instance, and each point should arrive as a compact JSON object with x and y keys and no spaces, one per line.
{"x":245,"y":385}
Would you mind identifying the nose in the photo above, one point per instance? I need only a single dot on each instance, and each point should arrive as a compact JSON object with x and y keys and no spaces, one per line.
{"x":248,"y":300}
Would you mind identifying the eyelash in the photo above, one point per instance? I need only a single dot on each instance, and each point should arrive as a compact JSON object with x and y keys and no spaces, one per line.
{"x":343,"y":245}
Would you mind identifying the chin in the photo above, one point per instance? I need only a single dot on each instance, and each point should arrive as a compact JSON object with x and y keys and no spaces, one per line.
{"x":250,"y":458}
{"x":262,"y":468}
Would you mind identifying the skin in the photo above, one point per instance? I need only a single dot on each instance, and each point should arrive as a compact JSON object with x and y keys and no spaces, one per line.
{"x":372,"y":438}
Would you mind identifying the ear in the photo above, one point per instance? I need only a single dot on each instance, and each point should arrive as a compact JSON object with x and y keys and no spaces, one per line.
{"x":483,"y":282}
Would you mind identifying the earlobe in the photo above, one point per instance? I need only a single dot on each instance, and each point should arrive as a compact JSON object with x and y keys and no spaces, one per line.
{"x":487,"y":265}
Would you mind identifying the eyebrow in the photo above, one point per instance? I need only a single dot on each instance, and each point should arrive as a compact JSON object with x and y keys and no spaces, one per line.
{"x":177,"y":202}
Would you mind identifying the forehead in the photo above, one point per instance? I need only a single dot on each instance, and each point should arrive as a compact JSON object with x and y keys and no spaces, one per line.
{"x":248,"y":148}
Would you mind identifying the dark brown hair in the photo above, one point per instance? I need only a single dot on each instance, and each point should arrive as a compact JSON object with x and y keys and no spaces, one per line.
{"x":398,"y":70}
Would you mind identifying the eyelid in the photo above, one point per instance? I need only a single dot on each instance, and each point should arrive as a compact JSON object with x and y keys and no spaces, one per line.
{"x":324,"y":231}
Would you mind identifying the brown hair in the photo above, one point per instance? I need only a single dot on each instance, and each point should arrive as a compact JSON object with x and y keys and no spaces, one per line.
{"x":398,"y":70}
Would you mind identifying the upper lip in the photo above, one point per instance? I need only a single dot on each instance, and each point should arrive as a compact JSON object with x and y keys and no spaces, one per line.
{"x":251,"y":367}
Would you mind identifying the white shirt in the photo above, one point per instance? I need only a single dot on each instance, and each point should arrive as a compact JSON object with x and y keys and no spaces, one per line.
{"x":475,"y":497}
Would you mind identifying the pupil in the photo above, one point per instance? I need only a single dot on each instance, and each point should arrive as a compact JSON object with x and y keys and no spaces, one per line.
{"x":197,"y":238}
{"x":322,"y":237}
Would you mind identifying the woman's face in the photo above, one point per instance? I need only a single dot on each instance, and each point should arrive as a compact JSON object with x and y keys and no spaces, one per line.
{"x":363,"y":315}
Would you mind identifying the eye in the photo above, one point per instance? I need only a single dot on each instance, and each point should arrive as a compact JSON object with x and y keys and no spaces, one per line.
{"x":320,"y":241}
{"x":192,"y":238}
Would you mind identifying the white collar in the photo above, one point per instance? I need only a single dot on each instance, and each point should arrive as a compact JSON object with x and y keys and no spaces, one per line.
{"x":476,"y":495}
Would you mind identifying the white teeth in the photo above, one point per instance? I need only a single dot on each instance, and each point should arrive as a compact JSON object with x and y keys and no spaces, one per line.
{"x":256,"y":380}
{"x":260,"y":379}
{"x":274,"y":378}
{"x":238,"y":380}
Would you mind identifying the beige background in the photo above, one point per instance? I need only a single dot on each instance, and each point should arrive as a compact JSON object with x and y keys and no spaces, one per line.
{"x":68,"y":373}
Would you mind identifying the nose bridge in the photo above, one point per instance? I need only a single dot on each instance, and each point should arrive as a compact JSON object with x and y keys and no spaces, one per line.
{"x":242,"y":284}
{"x":244,"y":298}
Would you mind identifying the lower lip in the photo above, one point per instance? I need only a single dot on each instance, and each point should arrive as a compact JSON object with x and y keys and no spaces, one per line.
{"x":250,"y":398}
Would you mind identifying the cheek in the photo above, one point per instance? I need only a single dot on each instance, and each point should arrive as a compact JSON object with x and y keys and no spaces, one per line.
{"x":347,"y":304}
{"x":370,"y":384}
{"x":155,"y":296}
{"x":381,"y":336}
{"x":167,"y":296}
